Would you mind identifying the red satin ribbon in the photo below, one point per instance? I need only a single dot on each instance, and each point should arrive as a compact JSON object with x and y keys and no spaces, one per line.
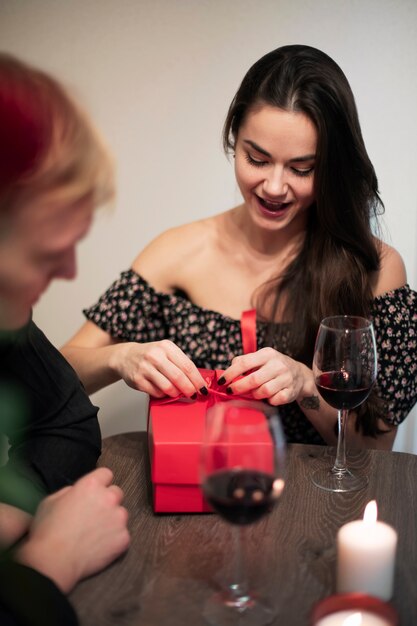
{"x":215,"y":392}
{"x":248,"y":330}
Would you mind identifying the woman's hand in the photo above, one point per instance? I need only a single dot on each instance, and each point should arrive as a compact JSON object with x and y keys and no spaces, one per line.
{"x":271,"y":375}
{"x":159,"y":368}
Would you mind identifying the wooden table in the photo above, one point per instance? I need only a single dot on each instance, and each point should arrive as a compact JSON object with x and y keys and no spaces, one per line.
{"x":175,"y":561}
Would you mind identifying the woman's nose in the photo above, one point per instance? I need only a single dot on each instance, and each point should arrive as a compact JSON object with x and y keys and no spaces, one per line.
{"x":275,"y":184}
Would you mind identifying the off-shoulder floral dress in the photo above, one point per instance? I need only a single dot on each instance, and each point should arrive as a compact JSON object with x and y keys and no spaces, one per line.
{"x":131,"y":310}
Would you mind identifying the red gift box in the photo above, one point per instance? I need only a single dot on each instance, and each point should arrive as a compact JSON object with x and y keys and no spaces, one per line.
{"x":175,"y":433}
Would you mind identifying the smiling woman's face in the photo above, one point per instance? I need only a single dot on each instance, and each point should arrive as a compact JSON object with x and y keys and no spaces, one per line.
{"x":274,"y":165}
{"x":37,"y":244}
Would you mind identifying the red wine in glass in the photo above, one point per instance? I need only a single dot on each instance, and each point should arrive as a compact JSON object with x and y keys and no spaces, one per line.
{"x":241,"y":496}
{"x":342,"y":390}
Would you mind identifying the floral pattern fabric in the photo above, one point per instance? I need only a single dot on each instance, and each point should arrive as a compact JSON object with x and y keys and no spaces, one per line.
{"x":131,"y":310}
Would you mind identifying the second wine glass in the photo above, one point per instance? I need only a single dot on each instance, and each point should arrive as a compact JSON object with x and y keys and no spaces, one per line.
{"x":242,"y":471}
{"x":345,"y":369}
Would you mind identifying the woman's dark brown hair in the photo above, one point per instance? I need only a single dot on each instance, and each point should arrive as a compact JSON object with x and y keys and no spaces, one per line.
{"x":332,"y":273}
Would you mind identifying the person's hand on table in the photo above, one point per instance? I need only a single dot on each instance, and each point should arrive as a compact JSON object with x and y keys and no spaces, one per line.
{"x":159,"y":368}
{"x":267,"y":374}
{"x":77,"y":531}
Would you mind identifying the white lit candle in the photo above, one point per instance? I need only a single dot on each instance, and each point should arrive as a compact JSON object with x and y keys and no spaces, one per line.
{"x":349,"y":618}
{"x":366,"y":556}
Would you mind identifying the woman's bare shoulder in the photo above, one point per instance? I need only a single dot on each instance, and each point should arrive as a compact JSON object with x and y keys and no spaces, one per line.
{"x":392,"y":273}
{"x":161,"y":261}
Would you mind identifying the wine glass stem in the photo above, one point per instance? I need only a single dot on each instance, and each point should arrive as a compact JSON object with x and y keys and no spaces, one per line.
{"x":340,"y":467}
{"x":239,"y":587}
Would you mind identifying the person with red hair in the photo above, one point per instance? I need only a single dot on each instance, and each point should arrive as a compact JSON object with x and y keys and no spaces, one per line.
{"x":54,"y":171}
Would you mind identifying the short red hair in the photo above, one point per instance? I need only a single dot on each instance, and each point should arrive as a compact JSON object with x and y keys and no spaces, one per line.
{"x":24,"y":128}
{"x":47,"y":144}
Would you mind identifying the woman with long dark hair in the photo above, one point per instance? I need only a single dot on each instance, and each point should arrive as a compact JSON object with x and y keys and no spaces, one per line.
{"x":303,"y":245}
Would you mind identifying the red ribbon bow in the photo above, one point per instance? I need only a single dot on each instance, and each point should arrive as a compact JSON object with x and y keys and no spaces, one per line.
{"x":215,"y":392}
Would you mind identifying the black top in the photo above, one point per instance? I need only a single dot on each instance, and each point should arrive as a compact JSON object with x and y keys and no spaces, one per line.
{"x":27,"y":598}
{"x":48,"y":418}
{"x":54,"y":439}
{"x":131,"y":310}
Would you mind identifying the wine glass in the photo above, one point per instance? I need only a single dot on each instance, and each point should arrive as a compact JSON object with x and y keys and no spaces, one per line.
{"x":345,"y":369}
{"x":242,"y":472}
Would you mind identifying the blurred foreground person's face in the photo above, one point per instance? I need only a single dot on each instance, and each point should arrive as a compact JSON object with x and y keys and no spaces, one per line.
{"x":37,"y":244}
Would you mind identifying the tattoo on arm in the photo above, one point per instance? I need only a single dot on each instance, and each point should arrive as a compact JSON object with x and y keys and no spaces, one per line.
{"x":310,"y":402}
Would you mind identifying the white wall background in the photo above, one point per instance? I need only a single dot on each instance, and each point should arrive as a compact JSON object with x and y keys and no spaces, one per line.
{"x":158,"y":76}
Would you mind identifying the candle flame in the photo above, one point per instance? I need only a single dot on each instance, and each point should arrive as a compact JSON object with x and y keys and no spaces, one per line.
{"x":353,"y":620}
{"x":371,"y":512}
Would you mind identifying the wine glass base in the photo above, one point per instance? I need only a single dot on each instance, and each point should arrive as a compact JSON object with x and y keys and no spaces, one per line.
{"x":222,"y":609}
{"x":329,"y":480}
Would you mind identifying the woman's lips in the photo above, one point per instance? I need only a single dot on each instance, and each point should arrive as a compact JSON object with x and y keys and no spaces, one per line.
{"x":272,"y":208}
